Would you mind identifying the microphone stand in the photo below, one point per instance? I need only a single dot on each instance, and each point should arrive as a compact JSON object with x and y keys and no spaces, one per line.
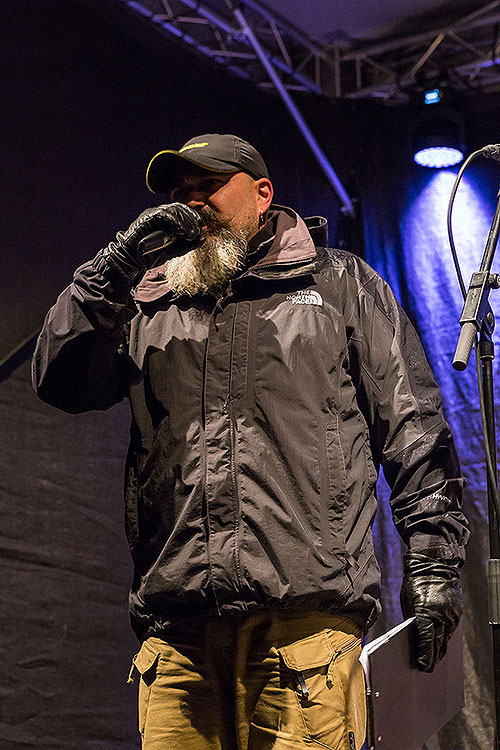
{"x":477,"y":316}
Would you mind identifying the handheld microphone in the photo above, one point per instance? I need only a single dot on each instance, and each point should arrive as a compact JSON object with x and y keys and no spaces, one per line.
{"x":152,"y":247}
{"x":155,"y":242}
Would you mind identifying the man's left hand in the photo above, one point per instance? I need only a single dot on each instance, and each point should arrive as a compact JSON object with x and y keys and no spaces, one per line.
{"x":431,"y":592}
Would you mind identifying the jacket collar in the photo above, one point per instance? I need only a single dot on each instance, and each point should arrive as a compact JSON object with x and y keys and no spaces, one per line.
{"x":284,"y":240}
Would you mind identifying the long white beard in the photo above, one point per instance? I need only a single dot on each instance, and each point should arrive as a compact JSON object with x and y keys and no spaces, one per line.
{"x":209,"y":267}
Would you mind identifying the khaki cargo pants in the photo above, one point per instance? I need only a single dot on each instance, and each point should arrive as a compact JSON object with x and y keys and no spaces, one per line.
{"x":274,"y":679}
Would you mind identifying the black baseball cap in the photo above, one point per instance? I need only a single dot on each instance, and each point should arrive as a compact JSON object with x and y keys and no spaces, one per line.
{"x":213,"y":152}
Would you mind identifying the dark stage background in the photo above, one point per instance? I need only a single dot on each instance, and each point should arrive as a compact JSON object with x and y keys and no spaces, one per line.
{"x":87,"y":101}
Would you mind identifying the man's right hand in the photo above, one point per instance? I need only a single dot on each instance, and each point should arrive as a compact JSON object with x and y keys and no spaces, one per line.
{"x":173,"y":219}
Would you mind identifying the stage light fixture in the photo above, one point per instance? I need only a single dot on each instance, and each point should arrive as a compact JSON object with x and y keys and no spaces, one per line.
{"x":433,"y":96}
{"x":438,"y":141}
{"x":438,"y":157}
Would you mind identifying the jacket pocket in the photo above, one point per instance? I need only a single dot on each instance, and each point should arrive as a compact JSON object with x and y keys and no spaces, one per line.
{"x":336,"y":483}
{"x":326,"y":676}
{"x":145,"y":662}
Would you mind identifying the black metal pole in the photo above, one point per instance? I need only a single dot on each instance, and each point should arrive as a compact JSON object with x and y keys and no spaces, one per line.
{"x":486,"y":354}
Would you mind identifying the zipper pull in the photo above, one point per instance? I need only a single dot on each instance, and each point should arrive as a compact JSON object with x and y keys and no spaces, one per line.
{"x":301,"y":684}
{"x":131,"y":675}
{"x":224,"y":296}
{"x":329,"y":673}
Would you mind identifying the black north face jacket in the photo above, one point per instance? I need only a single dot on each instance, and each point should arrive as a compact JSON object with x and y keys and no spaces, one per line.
{"x":259,"y":422}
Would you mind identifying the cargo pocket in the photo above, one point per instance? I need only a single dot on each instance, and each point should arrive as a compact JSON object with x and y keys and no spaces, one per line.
{"x":145,"y":662}
{"x":327,"y":679}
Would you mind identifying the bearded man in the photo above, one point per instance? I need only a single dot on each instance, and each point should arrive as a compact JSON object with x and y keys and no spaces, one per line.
{"x":269,"y":378}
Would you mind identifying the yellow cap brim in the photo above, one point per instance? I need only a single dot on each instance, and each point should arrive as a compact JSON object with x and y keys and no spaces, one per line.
{"x":153,"y":181}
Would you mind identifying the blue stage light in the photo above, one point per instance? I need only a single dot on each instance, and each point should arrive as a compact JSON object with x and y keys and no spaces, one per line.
{"x":438,"y":157}
{"x":437,"y":138}
{"x":432,"y":97}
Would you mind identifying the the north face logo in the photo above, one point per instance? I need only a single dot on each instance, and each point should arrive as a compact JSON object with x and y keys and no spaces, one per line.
{"x":306,"y":297}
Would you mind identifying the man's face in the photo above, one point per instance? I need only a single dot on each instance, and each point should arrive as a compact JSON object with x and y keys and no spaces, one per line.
{"x":230,"y":205}
{"x":232,"y":199}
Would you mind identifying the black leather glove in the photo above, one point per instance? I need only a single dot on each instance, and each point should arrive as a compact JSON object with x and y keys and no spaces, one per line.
{"x":431,"y":592}
{"x":174,"y":219}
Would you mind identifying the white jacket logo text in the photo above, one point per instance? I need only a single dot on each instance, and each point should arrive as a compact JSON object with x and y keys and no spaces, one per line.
{"x":306,"y":297}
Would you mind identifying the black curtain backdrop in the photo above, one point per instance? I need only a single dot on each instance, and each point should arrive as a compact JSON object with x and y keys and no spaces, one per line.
{"x":89,"y":96}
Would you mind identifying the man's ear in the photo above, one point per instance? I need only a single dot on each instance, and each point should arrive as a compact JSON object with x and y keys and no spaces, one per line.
{"x":264,"y":194}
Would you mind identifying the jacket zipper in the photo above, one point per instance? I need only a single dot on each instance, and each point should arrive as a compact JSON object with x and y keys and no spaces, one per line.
{"x":286,"y":264}
{"x":276,"y":267}
{"x":232,"y":452}
{"x":206,"y":520}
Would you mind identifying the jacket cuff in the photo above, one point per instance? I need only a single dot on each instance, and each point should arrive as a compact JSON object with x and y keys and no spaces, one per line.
{"x":110,"y":264}
{"x":450,"y":556}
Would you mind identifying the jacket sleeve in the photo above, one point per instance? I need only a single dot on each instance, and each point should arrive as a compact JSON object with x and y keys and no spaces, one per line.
{"x":409,"y":435}
{"x":78,"y":360}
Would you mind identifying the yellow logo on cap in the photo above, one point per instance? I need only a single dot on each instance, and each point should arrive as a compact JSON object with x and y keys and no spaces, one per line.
{"x":192,"y":145}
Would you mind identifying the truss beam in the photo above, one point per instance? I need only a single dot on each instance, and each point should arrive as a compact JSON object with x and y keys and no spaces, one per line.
{"x":304,"y":128}
{"x":459,"y":56}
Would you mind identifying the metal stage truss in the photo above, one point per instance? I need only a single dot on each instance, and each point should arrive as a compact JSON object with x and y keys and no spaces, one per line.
{"x":463,"y":56}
